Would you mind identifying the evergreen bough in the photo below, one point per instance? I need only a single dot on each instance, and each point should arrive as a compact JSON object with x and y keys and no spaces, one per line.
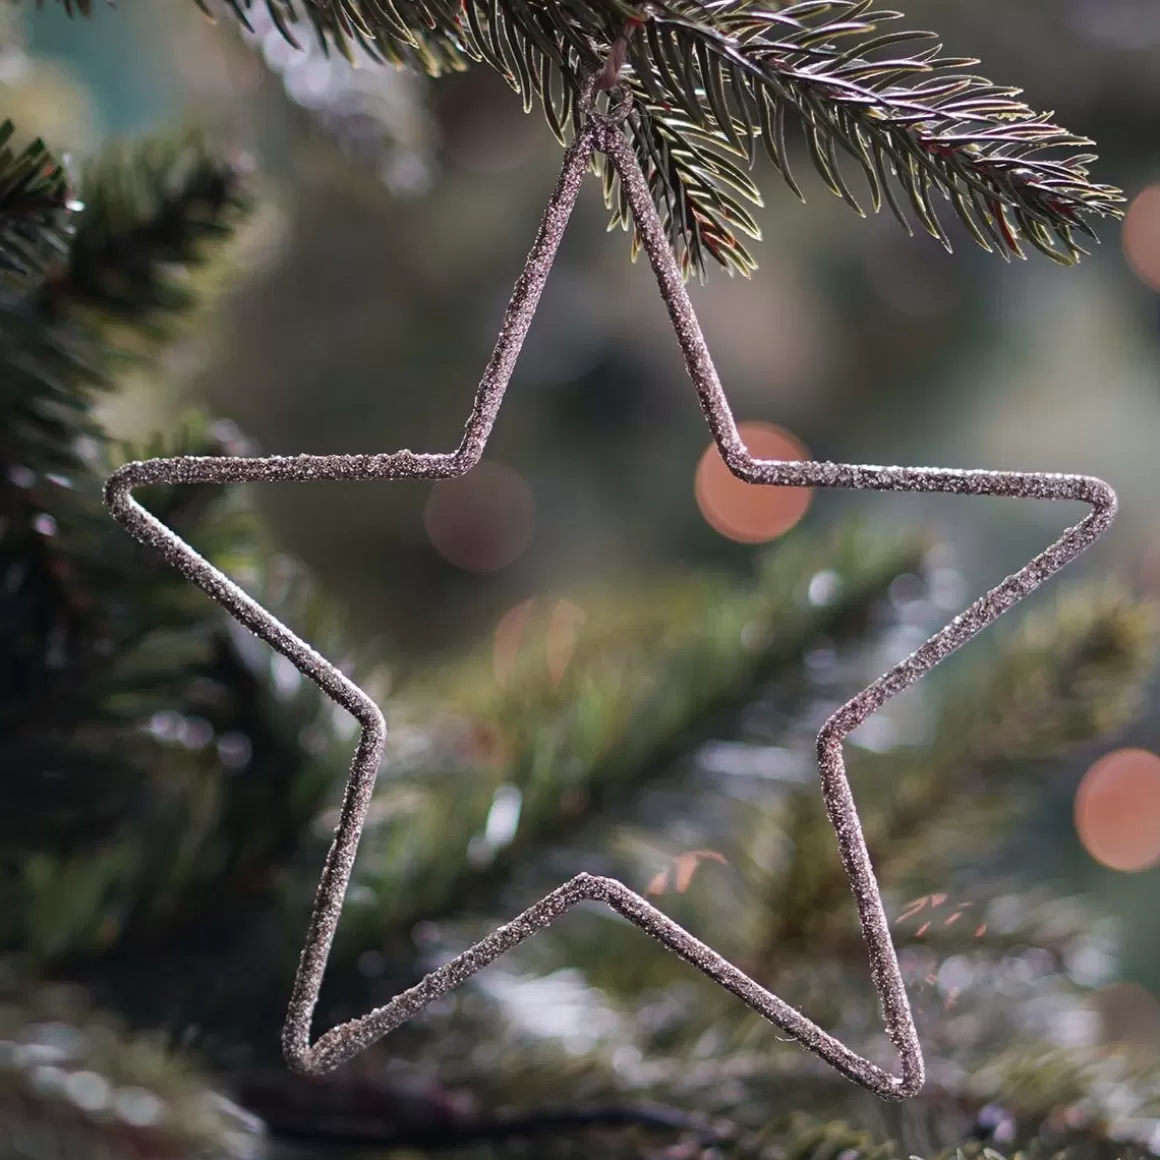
{"x":714,"y":82}
{"x":120,"y":842}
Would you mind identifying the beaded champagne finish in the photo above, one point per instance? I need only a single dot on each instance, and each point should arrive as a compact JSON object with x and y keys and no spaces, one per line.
{"x":602,"y":131}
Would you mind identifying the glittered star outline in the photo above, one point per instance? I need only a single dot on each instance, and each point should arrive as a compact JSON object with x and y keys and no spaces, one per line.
{"x":601,"y":131}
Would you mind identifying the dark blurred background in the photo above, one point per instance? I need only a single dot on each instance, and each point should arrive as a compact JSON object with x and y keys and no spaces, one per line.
{"x":399,"y":212}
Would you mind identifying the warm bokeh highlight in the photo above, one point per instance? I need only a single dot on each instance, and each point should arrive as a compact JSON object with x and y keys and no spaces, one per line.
{"x":1117,"y":810}
{"x":509,"y":639}
{"x":1141,"y":236}
{"x":482,"y":521}
{"x":679,"y":875}
{"x":1129,"y":1014}
{"x":751,"y":513}
{"x":563,"y":626}
{"x":560,"y":639}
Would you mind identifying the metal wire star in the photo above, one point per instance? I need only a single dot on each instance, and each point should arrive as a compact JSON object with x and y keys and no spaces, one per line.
{"x":603,"y":132}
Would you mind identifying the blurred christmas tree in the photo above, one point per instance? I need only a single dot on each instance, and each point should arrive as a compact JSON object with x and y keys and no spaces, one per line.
{"x":169,"y":781}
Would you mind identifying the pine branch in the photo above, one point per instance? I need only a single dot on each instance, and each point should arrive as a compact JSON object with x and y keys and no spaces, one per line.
{"x":1036,"y":1103}
{"x":924,"y":925}
{"x":58,"y":548}
{"x":1070,"y":673}
{"x":712,"y":80}
{"x":34,"y":209}
{"x":74,"y":1085}
{"x":151,"y":210}
{"x":650,"y":679}
{"x":809,"y":1138}
{"x":96,"y":840}
{"x":350,"y":1113}
{"x":913,"y":115}
{"x":84,"y":7}
{"x":155,"y":709}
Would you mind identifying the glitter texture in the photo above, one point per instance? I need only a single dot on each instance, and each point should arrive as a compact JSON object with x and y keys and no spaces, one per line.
{"x":602,"y":131}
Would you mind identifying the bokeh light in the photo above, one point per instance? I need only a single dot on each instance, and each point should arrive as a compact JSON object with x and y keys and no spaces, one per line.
{"x":1117,"y":810}
{"x":1141,"y":236}
{"x":1129,"y":1014}
{"x":482,"y":521}
{"x":559,"y":639}
{"x":751,"y":513}
{"x":678,"y":875}
{"x":480,"y":744}
{"x":509,"y":639}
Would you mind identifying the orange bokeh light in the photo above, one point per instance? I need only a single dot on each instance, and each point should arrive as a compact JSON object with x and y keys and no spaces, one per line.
{"x":1117,"y":810}
{"x":679,"y":875}
{"x":482,"y":521}
{"x":481,"y":744}
{"x":509,"y":639}
{"x":560,"y":640}
{"x":560,"y":635}
{"x":751,"y":513}
{"x":1141,"y":236}
{"x":1129,"y":1013}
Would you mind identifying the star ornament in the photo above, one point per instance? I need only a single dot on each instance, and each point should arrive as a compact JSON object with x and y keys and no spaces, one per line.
{"x":602,"y":131}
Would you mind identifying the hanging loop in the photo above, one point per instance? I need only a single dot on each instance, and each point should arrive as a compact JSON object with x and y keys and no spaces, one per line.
{"x":608,"y":119}
{"x":617,"y":112}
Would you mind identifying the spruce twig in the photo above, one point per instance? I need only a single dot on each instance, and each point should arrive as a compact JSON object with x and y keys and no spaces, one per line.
{"x":150,"y":210}
{"x":75,"y":1085}
{"x":647,"y":682}
{"x":713,"y":80}
{"x":34,"y":208}
{"x":377,"y":1113}
{"x":1068,"y":674}
{"x":103,"y":671}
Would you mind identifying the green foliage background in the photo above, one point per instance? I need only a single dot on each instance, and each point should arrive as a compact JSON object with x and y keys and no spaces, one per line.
{"x":290,"y":274}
